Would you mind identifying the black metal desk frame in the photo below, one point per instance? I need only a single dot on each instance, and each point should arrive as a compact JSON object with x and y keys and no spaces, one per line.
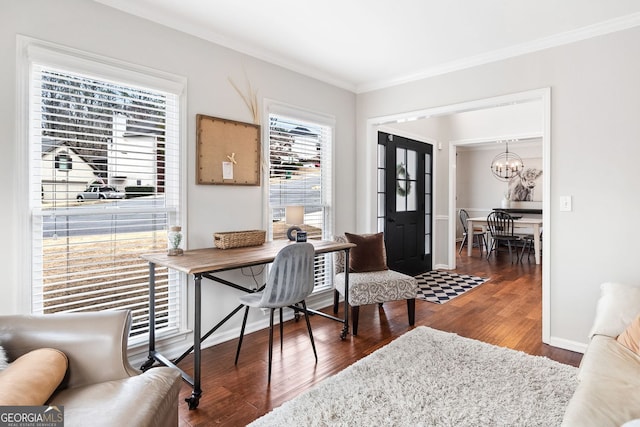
{"x":195,"y":381}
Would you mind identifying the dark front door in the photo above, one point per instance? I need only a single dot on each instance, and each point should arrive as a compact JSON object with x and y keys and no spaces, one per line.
{"x":407,"y":190}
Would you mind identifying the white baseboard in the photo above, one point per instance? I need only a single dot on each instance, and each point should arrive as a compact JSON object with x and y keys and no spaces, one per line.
{"x":565,"y":344}
{"x":442,"y":267}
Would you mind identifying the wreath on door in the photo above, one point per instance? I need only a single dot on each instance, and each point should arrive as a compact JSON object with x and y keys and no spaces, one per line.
{"x":402,"y":177}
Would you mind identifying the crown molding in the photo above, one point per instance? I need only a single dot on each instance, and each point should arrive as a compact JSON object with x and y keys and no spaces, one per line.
{"x":202,"y":32}
{"x":185,"y":26}
{"x":595,"y":30}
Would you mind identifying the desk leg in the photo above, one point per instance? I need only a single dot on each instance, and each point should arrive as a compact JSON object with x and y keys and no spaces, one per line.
{"x":194,"y":400}
{"x":152,"y":318}
{"x":345,"y":328}
{"x":470,"y":237}
{"x":536,"y":242}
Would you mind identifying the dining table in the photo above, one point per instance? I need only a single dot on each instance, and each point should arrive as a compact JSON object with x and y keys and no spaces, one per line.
{"x":525,"y":225}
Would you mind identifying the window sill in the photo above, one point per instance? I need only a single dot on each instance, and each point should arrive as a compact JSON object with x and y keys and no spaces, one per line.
{"x":168,"y":343}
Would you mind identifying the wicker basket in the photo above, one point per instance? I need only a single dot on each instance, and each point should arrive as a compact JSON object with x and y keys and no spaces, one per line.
{"x":239,"y":239}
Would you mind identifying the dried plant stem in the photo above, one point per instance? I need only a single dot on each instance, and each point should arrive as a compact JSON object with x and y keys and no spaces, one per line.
{"x":250,"y":100}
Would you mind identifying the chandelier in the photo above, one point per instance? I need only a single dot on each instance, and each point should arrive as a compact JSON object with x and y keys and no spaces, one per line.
{"x":506,"y":165}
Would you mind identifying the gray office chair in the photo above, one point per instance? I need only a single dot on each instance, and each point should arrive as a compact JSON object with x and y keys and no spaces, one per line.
{"x":290,"y":281}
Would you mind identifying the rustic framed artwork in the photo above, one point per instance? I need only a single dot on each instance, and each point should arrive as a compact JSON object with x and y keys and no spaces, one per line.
{"x":227,"y":152}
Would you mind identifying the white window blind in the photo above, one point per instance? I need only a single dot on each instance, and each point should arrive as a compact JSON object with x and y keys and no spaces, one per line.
{"x":300,"y":175}
{"x":104,"y":188}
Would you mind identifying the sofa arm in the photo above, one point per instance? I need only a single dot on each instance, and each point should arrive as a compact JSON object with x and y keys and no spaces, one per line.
{"x":95,"y":342}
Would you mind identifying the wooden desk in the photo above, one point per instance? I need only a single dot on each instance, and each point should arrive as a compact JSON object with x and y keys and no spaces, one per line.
{"x":518,"y":224}
{"x":202,"y":263}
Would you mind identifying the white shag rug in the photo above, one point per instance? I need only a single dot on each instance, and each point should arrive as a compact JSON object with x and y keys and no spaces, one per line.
{"x":429,"y":378}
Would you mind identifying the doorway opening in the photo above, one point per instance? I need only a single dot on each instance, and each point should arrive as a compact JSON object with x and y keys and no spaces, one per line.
{"x":444,"y":203}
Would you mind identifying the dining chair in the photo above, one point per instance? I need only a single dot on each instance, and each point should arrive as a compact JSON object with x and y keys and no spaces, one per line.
{"x":528,"y":244}
{"x":478,"y":236}
{"x":289,"y":283}
{"x":500,"y":225}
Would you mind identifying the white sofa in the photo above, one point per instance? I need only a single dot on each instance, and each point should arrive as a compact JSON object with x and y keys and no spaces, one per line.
{"x":608,"y":392}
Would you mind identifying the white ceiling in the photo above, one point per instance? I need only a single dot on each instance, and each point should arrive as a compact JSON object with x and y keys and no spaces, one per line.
{"x":363,"y":45}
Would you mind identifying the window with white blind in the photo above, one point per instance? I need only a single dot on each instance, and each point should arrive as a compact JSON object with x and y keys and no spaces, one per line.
{"x":300,"y":178}
{"x":105,"y":186}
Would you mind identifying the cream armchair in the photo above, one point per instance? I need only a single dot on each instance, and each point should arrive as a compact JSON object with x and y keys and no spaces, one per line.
{"x":101,"y":387}
{"x":372,"y":287}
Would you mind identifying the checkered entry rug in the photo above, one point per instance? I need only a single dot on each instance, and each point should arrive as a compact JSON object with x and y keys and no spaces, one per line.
{"x":441,"y":286}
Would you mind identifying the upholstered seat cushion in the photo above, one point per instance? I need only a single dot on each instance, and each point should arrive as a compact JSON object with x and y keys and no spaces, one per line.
{"x":608,"y":358}
{"x":377,"y":287}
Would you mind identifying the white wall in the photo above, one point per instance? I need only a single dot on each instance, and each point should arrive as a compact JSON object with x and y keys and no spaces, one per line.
{"x":95,"y":28}
{"x":477,"y":189}
{"x":506,"y":122}
{"x":595,"y":96}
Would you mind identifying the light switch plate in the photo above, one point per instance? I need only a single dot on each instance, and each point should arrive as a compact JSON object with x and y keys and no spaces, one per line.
{"x":565,"y":204}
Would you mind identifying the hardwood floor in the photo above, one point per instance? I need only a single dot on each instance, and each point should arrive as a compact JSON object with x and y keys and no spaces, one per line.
{"x":505,"y":311}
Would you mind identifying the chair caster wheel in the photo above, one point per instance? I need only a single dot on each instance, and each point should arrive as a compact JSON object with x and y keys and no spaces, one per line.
{"x":193,"y":402}
{"x":146,"y":365}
